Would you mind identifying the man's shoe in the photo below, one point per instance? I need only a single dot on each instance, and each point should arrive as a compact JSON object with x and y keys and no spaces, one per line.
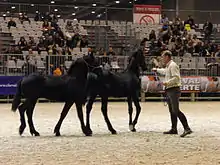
{"x":186,"y":132}
{"x":171,"y":132}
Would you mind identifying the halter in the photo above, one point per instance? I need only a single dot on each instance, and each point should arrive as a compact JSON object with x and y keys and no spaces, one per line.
{"x":90,"y":66}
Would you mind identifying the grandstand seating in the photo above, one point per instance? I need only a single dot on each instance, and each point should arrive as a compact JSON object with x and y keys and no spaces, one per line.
{"x":118,"y":34}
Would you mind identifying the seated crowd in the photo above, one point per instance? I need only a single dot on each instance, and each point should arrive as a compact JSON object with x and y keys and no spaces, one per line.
{"x":180,"y":37}
{"x":53,"y":40}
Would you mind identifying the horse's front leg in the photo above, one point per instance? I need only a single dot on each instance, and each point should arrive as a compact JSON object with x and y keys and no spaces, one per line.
{"x":29,"y":112}
{"x":64,"y":112}
{"x":22,"y":108}
{"x":138,"y":111}
{"x":105,"y":114}
{"x":88,"y":111}
{"x":130,"y":112}
{"x":80,"y":116}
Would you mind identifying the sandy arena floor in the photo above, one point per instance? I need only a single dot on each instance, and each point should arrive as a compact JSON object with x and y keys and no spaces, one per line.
{"x":148,"y":146}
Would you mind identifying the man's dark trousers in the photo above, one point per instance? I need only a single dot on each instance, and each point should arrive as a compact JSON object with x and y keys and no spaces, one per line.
{"x":173,"y":95}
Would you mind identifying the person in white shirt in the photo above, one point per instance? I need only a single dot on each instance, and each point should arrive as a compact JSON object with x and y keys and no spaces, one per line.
{"x":172,"y":85}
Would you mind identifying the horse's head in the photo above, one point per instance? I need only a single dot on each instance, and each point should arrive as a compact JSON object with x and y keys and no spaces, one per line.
{"x":137,"y":59}
{"x":82,"y":66}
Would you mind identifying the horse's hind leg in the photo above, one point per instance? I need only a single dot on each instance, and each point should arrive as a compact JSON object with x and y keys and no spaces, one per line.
{"x":22,"y":109}
{"x":88,"y":111}
{"x":105,"y":114}
{"x":64,"y":112}
{"x":130,"y":112}
{"x":138,"y":111}
{"x":29,"y":112}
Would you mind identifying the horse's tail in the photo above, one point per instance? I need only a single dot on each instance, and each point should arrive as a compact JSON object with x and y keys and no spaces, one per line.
{"x":17,"y":98}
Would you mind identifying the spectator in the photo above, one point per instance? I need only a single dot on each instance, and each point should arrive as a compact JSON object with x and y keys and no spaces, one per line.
{"x":59,"y":31}
{"x":11,"y":23}
{"x":23,"y":17}
{"x":217,"y":54}
{"x":110,"y":52}
{"x":45,"y":25}
{"x":152,"y":36}
{"x":69,"y":27}
{"x":37,"y":16}
{"x":58,"y":40}
{"x":190,"y":21}
{"x":164,"y":19}
{"x":208,"y":28}
{"x":57,"y":72}
{"x":31,"y":43}
{"x":41,"y":45}
{"x":76,"y":29}
{"x":66,"y":51}
{"x":84,"y":43}
{"x":22,"y":44}
{"x":100,"y":52}
{"x":47,"y":17}
{"x":28,"y":67}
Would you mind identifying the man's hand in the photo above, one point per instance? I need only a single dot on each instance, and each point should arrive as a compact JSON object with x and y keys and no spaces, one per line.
{"x":165,"y":84}
{"x":154,"y":70}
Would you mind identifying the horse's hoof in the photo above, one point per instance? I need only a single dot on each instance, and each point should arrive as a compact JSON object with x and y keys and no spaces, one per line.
{"x":21,"y":131}
{"x":57,"y":134}
{"x":134,"y":130}
{"x":114,"y":132}
{"x":131,"y":127}
{"x":35,"y":133}
{"x":88,"y":133}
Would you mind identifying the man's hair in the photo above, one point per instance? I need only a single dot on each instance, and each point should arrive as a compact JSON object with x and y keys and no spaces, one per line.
{"x":167,"y":53}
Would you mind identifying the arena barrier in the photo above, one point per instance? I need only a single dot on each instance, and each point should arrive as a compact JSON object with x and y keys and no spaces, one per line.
{"x":199,"y":74}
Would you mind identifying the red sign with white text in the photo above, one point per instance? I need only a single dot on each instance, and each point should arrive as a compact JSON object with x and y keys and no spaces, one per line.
{"x":147,"y":14}
{"x":147,"y":9}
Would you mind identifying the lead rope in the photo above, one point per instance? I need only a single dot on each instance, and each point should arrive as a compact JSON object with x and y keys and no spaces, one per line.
{"x":164,"y":100}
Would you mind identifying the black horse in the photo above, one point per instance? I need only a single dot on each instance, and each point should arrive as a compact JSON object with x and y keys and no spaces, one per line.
{"x":126,"y":84}
{"x":69,"y":88}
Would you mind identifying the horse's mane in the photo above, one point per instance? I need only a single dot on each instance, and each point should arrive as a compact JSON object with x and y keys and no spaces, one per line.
{"x":72,"y":66}
{"x":83,"y":59}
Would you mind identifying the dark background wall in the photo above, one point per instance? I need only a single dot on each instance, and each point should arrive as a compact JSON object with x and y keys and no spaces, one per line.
{"x":201,"y":10}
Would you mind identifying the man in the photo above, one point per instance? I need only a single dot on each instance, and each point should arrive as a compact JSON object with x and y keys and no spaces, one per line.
{"x":172,"y":87}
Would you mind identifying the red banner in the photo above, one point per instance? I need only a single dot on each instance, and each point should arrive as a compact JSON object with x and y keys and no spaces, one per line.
{"x":147,"y":14}
{"x":147,"y":9}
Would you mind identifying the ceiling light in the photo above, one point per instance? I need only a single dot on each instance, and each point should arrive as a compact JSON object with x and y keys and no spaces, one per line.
{"x":76,"y":7}
{"x":8,"y":12}
{"x":99,"y":15}
{"x":13,"y":7}
{"x":52,"y":2}
{"x":93,"y":4}
{"x":58,"y":16}
{"x":32,"y":5}
{"x":73,"y":13}
{"x":55,"y":9}
{"x":93,"y":12}
{"x":117,"y":1}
